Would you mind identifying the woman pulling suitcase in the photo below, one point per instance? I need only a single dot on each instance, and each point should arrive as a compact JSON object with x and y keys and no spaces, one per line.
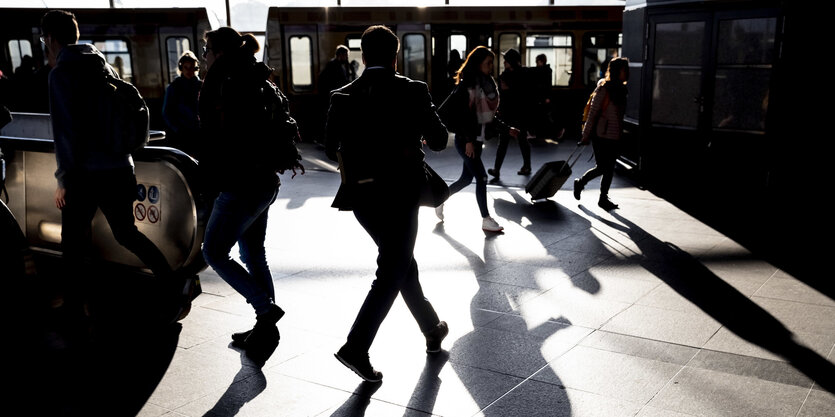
{"x":604,"y":129}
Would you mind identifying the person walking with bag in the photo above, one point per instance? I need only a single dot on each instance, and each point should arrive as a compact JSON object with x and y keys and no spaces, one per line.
{"x":475,"y":101}
{"x":516,"y":107}
{"x":604,"y":129}
{"x":375,"y":128}
{"x":90,"y":173}
{"x":236,"y":162}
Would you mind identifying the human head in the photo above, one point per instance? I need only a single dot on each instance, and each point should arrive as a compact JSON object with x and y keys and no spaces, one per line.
{"x":379,"y":47}
{"x":188,"y":64}
{"x":618,"y":69}
{"x":541,"y":60}
{"x":58,"y":29}
{"x":512,"y":58}
{"x":341,"y":53}
{"x":472,"y":65}
{"x":227,"y":41}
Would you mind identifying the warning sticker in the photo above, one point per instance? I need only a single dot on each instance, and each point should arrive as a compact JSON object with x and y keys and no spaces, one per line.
{"x":153,"y":214}
{"x":140,"y":192}
{"x":139,"y":212}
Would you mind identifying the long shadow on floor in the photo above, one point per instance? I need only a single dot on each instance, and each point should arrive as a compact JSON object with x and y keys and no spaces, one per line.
{"x":694,"y":281}
{"x":494,"y":364}
{"x":110,"y":365}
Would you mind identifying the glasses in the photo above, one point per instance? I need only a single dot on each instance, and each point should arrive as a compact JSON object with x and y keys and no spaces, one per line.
{"x":206,"y":50}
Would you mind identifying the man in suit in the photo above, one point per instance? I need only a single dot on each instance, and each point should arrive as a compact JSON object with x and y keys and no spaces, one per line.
{"x":377,"y":125}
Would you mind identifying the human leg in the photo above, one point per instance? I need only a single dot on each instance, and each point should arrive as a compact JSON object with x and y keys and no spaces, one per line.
{"x":232,"y":215}
{"x":525,"y":149}
{"x":117,"y":192}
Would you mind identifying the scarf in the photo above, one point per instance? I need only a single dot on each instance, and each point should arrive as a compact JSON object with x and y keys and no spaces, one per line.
{"x":484,"y":99}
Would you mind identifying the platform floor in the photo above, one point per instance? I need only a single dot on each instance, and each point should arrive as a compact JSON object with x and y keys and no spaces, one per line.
{"x":572,"y":311}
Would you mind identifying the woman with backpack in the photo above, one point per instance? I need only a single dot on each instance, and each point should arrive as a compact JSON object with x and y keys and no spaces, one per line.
{"x":604,"y":128}
{"x":476,"y":99}
{"x":235,"y":165}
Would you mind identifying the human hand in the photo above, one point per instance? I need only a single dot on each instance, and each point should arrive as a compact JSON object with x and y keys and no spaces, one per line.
{"x":60,"y":197}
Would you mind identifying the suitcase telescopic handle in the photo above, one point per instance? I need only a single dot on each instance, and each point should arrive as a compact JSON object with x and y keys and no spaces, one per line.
{"x":578,"y":151}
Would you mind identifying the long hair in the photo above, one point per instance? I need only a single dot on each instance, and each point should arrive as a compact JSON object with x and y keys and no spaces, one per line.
{"x":615,"y":67}
{"x":228,"y":41}
{"x":472,"y":65}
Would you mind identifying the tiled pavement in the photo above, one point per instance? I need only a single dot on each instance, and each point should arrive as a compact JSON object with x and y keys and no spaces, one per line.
{"x":572,"y":311}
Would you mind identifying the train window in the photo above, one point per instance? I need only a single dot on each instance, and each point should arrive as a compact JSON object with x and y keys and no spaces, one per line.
{"x":598,"y":50}
{"x":414,"y":56}
{"x":175,"y":47}
{"x":18,"y":49}
{"x":301,"y":62}
{"x":671,"y":36}
{"x":507,"y":41}
{"x":559,"y":52}
{"x":745,"y":53}
{"x":458,"y":42}
{"x":355,"y":54}
{"x":117,"y":55}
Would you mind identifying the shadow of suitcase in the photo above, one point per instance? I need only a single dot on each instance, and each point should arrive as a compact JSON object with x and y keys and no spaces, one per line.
{"x":551,"y":177}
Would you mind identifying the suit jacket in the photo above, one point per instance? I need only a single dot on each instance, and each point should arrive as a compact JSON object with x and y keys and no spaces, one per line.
{"x":376,"y":124}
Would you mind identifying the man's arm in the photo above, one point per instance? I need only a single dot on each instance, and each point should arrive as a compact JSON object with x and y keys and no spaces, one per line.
{"x":433,"y":129}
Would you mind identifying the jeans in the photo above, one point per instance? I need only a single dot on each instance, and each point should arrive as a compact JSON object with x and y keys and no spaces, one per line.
{"x":113,"y":191}
{"x":473,"y":168}
{"x":394,"y":230}
{"x":606,"y":153}
{"x":241,"y":217}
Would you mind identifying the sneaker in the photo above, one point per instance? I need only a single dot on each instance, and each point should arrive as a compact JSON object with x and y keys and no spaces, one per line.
{"x":239,"y":339}
{"x":524,"y":171}
{"x":606,"y":204}
{"x":495,"y":173}
{"x":273,"y":316}
{"x":439,"y":211}
{"x":490,"y":225}
{"x":359,"y":364}
{"x":578,"y":188}
{"x":435,"y":336}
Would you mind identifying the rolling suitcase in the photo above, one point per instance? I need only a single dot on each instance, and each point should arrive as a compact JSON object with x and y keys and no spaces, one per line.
{"x":551,"y":177}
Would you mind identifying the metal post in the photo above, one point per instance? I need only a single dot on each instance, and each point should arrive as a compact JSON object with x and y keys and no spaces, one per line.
{"x":228,"y":15}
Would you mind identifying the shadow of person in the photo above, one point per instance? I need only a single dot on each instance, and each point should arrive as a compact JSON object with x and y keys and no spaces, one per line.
{"x":245,"y":386}
{"x":694,"y":281}
{"x":492,"y":362}
{"x":358,"y":402}
{"x":428,"y":384}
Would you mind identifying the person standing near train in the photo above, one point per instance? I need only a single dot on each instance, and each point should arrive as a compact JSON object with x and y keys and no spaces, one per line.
{"x":604,"y":129}
{"x":375,"y":128}
{"x":236,"y":164}
{"x":179,"y":108}
{"x":89,"y":175}
{"x":515,"y":108}
{"x":475,"y":101}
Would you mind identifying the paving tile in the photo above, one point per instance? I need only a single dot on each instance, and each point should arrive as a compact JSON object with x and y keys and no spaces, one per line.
{"x":640,"y":347}
{"x":258,"y":395}
{"x":702,"y":392}
{"x":762,"y":369}
{"x":535,"y":398}
{"x":785,"y":287}
{"x":574,"y":306}
{"x":683,"y":328}
{"x":648,"y":411}
{"x":520,"y":355}
{"x":819,"y":403}
{"x":800,"y":317}
{"x":727,"y":341}
{"x":634,"y":378}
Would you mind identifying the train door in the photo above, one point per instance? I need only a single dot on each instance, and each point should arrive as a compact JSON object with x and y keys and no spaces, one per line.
{"x":677,"y":73}
{"x":415,"y":45}
{"x":709,"y":99}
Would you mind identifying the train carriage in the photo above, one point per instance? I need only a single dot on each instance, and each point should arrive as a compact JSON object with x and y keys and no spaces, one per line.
{"x":143,"y":45}
{"x":577,"y":41}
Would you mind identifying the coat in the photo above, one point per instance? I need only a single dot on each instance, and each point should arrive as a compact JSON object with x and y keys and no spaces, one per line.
{"x":375,"y":127}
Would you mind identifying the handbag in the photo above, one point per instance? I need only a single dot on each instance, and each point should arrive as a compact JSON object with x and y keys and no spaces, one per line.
{"x":435,"y":190}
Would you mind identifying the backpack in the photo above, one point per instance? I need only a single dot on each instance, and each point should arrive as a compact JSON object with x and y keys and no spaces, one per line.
{"x":279,"y":146}
{"x":124,"y":115}
{"x":588,"y":107}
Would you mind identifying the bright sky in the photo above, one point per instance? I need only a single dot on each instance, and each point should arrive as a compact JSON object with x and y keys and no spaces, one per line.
{"x":251,"y":15}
